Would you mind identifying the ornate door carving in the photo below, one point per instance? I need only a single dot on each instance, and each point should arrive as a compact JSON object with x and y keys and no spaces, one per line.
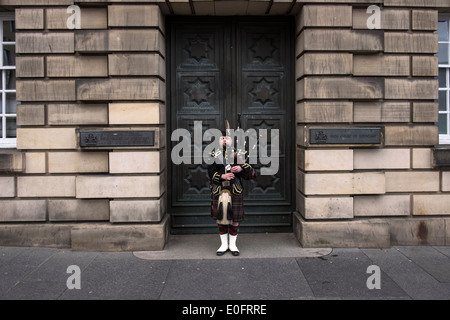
{"x":220,"y":67}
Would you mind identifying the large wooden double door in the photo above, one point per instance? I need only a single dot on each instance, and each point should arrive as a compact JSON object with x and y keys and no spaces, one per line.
{"x":217,"y":68}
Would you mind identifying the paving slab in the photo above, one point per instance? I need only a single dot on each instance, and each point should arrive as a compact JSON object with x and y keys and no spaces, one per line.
{"x":120,"y":276}
{"x":404,"y":271}
{"x":344,"y":274}
{"x":17,"y":263}
{"x":189,"y":270}
{"x":9,"y":253}
{"x":48,"y":280}
{"x":430,"y":260}
{"x":443,"y":250}
{"x":251,"y":246}
{"x":255,"y":279}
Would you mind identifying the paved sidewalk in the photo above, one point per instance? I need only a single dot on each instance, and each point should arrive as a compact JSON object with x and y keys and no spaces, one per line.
{"x":188,"y":269}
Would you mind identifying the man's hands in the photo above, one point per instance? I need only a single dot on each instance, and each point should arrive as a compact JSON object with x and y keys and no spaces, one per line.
{"x":236,"y":169}
{"x":230,"y":175}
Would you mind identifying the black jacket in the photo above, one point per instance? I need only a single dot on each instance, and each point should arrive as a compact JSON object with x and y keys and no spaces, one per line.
{"x":217,"y":169}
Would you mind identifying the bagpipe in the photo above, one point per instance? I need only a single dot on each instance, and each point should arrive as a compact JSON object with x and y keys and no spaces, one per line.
{"x":234,"y":186}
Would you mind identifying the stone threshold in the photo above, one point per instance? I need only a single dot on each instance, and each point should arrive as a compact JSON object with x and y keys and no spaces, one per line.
{"x":251,"y":246}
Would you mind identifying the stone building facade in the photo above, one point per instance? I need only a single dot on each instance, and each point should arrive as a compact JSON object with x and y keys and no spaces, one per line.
{"x":114,"y":73}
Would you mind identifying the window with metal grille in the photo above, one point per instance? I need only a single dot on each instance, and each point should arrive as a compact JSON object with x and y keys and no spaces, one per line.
{"x":444,"y":79}
{"x":7,"y":81}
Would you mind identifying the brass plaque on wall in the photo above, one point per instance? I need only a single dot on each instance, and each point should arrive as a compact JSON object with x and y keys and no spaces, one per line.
{"x":118,"y":138}
{"x":343,"y":136}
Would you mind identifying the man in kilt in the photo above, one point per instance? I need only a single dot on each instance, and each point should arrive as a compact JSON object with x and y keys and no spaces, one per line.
{"x":227,"y":206}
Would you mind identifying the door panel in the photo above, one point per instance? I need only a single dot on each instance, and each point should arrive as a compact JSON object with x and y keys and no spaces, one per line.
{"x":199,"y":46}
{"x":263,"y":46}
{"x":260,"y":190}
{"x":191,"y":187}
{"x":220,"y":67}
{"x":199,"y":93}
{"x":262,"y":93}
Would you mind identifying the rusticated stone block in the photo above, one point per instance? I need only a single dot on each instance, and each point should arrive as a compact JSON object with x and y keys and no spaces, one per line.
{"x":324,"y":64}
{"x":391,"y":19}
{"x":325,"y":207}
{"x":340,"y":88}
{"x":417,"y":232}
{"x":425,"y":20}
{"x":91,"y":18}
{"x":23,"y":210}
{"x":382,"y":205}
{"x":29,"y":19}
{"x":137,"y":65}
{"x":425,"y":111}
{"x":12,"y":161}
{"x":78,"y":210}
{"x":7,"y":187}
{"x":319,"y":112}
{"x":419,"y":181}
{"x":77,"y":66}
{"x":411,"y":89}
{"x":46,"y":138}
{"x":411,"y":135}
{"x":431,"y":204}
{"x":340,"y":40}
{"x":35,"y":162}
{"x":325,"y":16}
{"x":422,"y":158}
{"x":381,"y":159}
{"x":121,"y":89}
{"x":119,"y":187}
{"x":135,"y":16}
{"x":397,"y":42}
{"x":385,"y":65}
{"x":137,"y":113}
{"x":77,"y":114}
{"x":119,"y":40}
{"x":77,"y":162}
{"x":342,"y":183}
{"x":46,"y":186}
{"x":325,"y":160}
{"x":207,"y":8}
{"x":125,"y":237}
{"x":135,"y":162}
{"x":30,"y":115}
{"x":445,"y":181}
{"x":136,"y":40}
{"x":353,"y":234}
{"x":46,"y":90}
{"x":30,"y":67}
{"x":91,"y":41}
{"x":62,"y":42}
{"x":382,"y":112}
{"x":137,"y":210}
{"x":222,"y":8}
{"x":35,"y":235}
{"x":425,"y":66}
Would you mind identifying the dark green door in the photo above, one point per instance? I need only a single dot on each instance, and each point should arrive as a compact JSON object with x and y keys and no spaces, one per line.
{"x":219,"y":67}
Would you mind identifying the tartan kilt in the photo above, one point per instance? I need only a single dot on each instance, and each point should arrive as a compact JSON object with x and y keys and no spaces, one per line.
{"x":237,"y":207}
